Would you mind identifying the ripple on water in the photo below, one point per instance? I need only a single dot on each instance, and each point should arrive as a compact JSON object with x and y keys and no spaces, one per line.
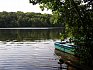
{"x":27,"y":56}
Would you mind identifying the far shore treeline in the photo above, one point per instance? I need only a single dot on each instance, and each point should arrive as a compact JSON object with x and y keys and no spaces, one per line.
{"x":29,"y":19}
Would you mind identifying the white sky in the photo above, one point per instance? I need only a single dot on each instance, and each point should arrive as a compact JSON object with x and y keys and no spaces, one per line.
{"x":19,"y":5}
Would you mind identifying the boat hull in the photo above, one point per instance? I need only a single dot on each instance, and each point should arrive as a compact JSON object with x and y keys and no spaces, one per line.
{"x":64,"y":48}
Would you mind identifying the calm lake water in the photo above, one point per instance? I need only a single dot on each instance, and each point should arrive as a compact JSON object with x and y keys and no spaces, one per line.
{"x":29,"y":34}
{"x":28,"y":49}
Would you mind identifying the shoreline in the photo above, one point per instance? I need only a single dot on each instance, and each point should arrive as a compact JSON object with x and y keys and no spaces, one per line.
{"x":33,"y":28}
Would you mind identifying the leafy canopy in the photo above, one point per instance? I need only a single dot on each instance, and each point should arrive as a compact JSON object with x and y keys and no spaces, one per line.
{"x":77,"y":18}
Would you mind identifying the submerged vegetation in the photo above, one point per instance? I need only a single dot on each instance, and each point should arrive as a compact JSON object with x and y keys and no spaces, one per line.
{"x":21,"y":19}
{"x":77,"y":16}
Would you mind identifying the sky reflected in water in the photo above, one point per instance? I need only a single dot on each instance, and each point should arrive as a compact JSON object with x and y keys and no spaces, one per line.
{"x":28,"y":56}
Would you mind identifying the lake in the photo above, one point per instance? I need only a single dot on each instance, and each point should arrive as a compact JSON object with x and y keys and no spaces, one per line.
{"x":29,"y":34}
{"x":28,"y":49}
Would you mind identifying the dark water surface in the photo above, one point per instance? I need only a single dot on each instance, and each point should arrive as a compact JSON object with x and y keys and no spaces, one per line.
{"x":28,"y":49}
{"x":29,"y":34}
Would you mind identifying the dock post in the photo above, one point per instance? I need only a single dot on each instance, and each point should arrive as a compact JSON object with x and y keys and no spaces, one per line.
{"x":61,"y":61}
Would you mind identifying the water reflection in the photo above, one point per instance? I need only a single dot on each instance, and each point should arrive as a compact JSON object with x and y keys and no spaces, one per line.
{"x":31,"y":35}
{"x":28,"y":49}
{"x":27,"y":56}
{"x":66,"y":57}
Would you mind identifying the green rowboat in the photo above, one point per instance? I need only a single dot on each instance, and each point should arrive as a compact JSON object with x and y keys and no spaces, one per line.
{"x":65,"y":47}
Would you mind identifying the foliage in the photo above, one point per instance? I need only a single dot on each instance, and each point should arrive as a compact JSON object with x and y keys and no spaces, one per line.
{"x":21,"y":19}
{"x":77,"y":18}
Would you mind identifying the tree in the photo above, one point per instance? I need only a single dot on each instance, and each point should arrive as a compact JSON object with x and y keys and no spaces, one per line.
{"x":29,"y":19}
{"x":77,"y":16}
